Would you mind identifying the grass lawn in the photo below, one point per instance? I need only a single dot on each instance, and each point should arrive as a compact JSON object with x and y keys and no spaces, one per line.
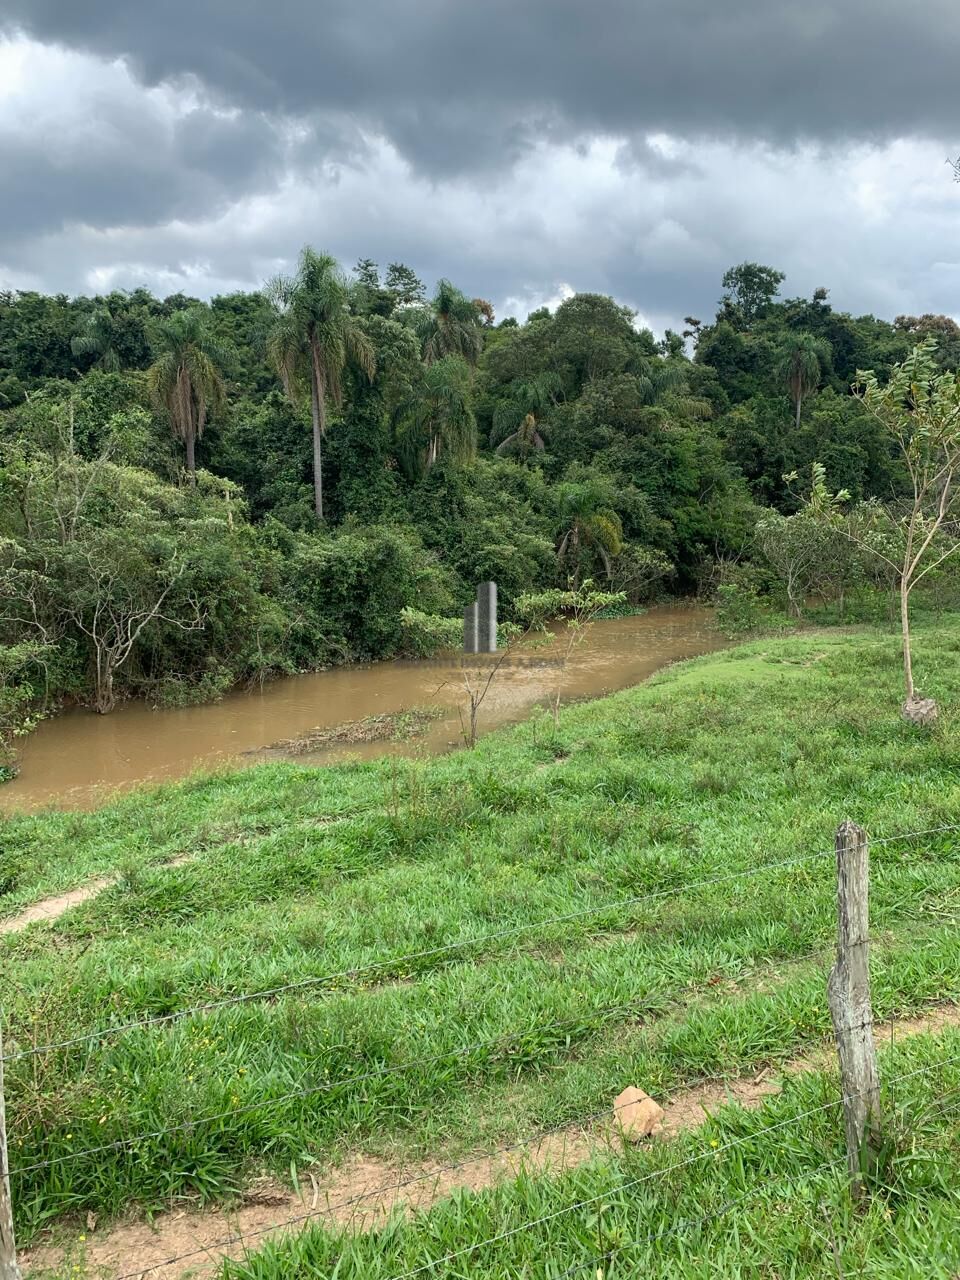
{"x":685,"y":830}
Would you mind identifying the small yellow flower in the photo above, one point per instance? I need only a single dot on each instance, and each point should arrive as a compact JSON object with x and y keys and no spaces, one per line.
{"x":714,"y":1142}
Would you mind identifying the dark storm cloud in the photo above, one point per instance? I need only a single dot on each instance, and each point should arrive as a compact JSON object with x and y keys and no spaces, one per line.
{"x":460,"y":87}
{"x":525,"y":149}
{"x":131,"y":167}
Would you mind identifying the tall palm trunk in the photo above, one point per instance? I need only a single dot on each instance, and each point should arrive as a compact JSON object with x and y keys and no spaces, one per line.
{"x":318,"y":412}
{"x":191,"y":444}
{"x":796,"y":390}
{"x":185,"y":413}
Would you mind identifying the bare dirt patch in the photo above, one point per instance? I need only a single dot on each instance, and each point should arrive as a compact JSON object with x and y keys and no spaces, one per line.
{"x":52,"y":908}
{"x":363,"y":1192}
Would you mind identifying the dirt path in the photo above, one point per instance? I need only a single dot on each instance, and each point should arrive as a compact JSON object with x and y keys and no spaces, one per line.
{"x":52,"y":908}
{"x":364,"y":1191}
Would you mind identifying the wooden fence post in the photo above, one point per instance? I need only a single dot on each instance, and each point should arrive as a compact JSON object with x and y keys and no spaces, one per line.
{"x":848,"y":992}
{"x":8,"y":1248}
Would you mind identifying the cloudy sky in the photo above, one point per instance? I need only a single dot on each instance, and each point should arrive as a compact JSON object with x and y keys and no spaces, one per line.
{"x":524,"y":148}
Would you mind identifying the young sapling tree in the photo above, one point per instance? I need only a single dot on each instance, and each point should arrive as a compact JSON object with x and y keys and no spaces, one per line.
{"x":919,"y":406}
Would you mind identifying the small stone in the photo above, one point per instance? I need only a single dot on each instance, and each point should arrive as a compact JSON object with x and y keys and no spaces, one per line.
{"x":920,"y":710}
{"x":636,"y":1114}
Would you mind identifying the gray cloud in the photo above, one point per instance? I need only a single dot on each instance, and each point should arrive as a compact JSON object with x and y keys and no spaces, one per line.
{"x":464,"y":87}
{"x":878,"y":229}
{"x":632,"y":147}
{"x":82,"y":143}
{"x":149,"y":176}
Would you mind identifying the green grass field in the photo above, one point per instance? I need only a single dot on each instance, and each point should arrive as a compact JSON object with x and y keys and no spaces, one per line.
{"x":440,"y":1015}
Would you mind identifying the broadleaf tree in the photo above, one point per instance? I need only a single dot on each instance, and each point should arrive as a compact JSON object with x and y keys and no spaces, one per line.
{"x":919,"y":407}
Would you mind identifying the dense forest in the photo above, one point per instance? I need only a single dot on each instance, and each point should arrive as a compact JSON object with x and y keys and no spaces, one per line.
{"x":197,"y":494}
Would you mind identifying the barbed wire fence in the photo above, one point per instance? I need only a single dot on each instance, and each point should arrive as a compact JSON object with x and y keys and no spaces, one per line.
{"x":851,"y":1011}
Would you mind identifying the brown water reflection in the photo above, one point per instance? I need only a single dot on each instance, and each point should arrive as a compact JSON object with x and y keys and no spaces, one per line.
{"x":78,"y":759}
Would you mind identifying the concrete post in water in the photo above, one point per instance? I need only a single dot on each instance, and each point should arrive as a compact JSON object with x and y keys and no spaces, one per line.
{"x":487,"y":617}
{"x":848,"y":992}
{"x":8,"y":1249}
{"x":470,"y":629}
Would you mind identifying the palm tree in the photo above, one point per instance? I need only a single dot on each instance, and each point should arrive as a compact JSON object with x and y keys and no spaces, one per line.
{"x":185,"y":379}
{"x":313,"y":338}
{"x":516,"y":420}
{"x":449,"y":326}
{"x":587,"y":520}
{"x":522,"y":442}
{"x":665,"y":383}
{"x":438,"y":419}
{"x":800,"y":363}
{"x":95,"y":337}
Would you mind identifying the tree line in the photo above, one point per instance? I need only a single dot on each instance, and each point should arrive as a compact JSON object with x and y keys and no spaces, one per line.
{"x":195,"y":494}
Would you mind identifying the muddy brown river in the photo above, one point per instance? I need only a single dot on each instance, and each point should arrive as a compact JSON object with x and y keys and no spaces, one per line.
{"x":79,"y":759}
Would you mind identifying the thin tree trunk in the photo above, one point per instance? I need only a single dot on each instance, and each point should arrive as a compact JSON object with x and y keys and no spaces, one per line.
{"x":905,"y":606}
{"x":799,"y":407}
{"x":106,"y":701}
{"x":191,"y":443}
{"x":316,"y":405}
{"x":905,"y":627}
{"x":792,"y":605}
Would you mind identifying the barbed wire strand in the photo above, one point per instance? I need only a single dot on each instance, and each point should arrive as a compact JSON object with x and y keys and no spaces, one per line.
{"x":241,"y":1237}
{"x":462,"y":944}
{"x":392,"y":1187}
{"x":665,"y":998}
{"x":434,"y":1174}
{"x":395,"y":1187}
{"x":611,"y":1254}
{"x":272,"y":992}
{"x":327,"y":1086}
{"x":635,"y":1182}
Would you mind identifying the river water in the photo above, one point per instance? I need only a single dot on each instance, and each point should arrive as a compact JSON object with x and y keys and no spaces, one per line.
{"x":78,"y":759}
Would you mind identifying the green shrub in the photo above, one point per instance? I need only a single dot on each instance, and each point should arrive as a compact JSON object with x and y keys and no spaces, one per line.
{"x":740,"y":610}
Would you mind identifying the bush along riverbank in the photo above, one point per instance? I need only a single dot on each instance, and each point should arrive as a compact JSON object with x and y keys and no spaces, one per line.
{"x":483,"y":945}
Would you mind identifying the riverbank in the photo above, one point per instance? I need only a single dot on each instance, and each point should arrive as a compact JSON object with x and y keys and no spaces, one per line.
{"x":639,"y":832}
{"x":79,"y":760}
